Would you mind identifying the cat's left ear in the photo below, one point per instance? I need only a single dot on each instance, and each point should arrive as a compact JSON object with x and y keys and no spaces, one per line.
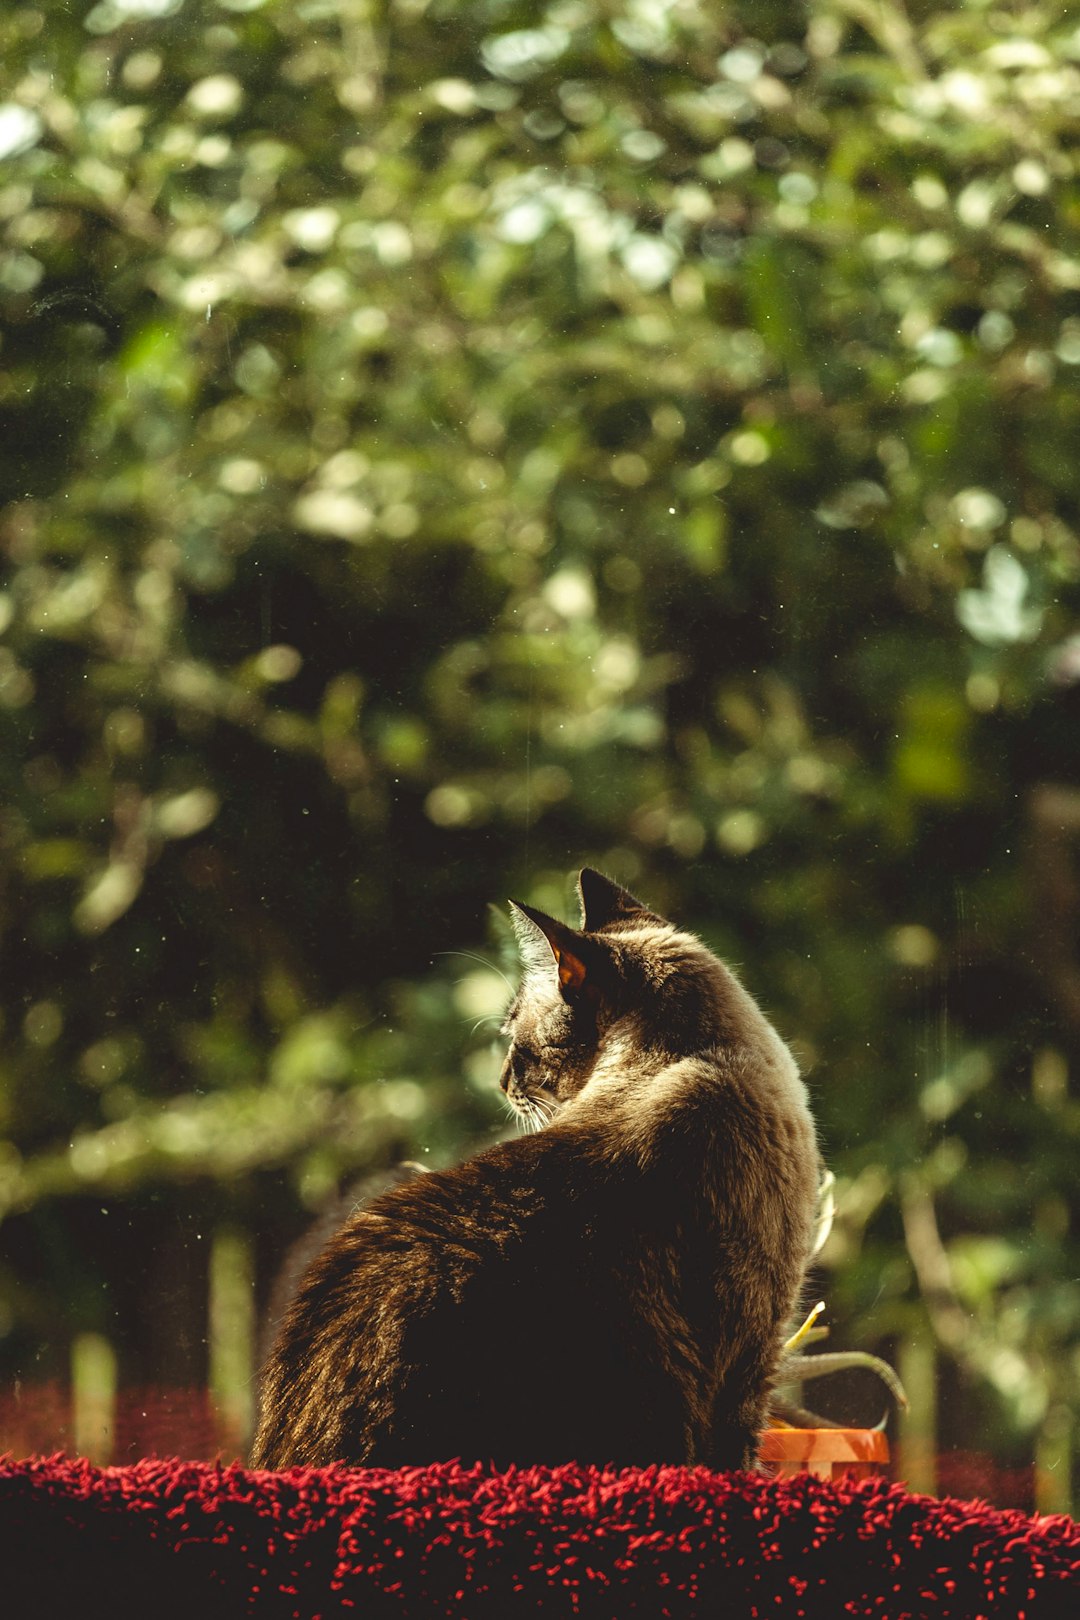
{"x":571,"y":952}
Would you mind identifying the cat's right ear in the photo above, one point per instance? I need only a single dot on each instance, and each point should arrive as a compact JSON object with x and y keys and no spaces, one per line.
{"x":604,"y":902}
{"x":542,"y":937}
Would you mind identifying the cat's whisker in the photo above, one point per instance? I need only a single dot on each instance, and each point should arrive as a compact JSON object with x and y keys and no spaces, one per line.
{"x":519,"y":1119}
{"x":473,"y":956}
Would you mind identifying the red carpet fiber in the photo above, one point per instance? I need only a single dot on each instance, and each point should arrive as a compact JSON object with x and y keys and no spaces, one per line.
{"x":162,"y":1538}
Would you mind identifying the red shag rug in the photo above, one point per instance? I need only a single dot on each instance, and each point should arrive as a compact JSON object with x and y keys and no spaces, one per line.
{"x":164,"y":1538}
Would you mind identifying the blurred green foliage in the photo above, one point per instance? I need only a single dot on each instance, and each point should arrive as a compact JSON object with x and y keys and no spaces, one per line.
{"x":447,"y":443}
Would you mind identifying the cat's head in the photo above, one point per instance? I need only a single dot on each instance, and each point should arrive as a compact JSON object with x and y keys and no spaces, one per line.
{"x":576,"y":983}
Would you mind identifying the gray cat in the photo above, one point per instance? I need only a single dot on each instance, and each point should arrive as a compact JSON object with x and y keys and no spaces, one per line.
{"x":612,"y":1286}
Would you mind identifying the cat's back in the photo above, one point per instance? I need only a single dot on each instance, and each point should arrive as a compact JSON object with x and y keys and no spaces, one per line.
{"x":480,"y":1311}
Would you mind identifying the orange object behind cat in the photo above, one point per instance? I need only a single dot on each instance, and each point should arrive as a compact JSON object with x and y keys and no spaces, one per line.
{"x":828,"y":1453}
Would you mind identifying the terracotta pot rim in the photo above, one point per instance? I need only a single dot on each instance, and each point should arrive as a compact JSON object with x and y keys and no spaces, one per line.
{"x":824,"y":1445}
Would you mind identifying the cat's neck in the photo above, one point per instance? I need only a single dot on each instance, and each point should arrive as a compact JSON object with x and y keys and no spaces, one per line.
{"x":649,"y":1070}
{"x":689,"y":1005}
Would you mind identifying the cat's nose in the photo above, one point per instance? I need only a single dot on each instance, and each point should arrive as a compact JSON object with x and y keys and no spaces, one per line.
{"x":505,"y":1075}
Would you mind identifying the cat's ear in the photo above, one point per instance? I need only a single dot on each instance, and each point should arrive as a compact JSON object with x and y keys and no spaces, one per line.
{"x":535,"y":928}
{"x":604,"y":902}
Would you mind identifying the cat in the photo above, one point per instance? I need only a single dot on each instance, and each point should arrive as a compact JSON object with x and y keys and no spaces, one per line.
{"x":610,"y":1287}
